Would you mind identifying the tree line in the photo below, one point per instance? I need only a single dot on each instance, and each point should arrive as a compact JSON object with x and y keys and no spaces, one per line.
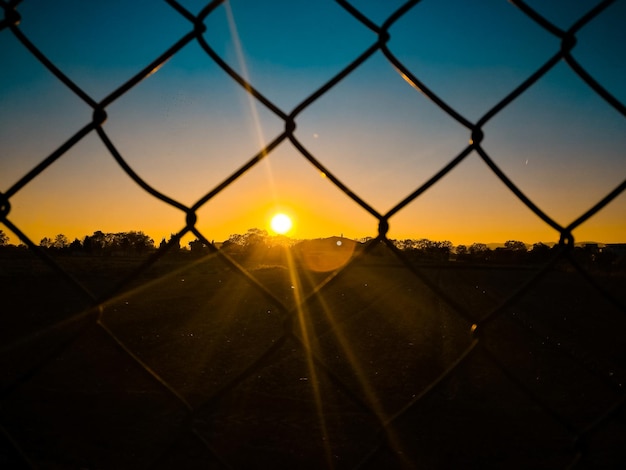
{"x":254,"y":240}
{"x":99,"y":243}
{"x":512,"y":252}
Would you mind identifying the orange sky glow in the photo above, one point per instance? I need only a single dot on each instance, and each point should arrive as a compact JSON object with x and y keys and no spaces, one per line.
{"x":187,"y":127}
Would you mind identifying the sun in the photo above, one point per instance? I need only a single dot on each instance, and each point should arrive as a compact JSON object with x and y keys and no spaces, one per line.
{"x":281,"y":223}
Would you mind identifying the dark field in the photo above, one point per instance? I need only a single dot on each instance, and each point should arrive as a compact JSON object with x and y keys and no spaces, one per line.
{"x":190,"y":365}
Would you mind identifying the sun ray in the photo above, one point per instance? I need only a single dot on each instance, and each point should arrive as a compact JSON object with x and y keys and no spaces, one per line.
{"x":304,"y":333}
{"x":359,"y":371}
{"x":234,"y":33}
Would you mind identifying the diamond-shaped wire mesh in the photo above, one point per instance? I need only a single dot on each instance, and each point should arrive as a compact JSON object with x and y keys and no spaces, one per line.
{"x":385,"y":363}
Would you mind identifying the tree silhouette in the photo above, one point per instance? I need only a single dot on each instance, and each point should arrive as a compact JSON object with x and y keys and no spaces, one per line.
{"x":4,"y":238}
{"x":175,"y":243}
{"x":197,"y":247}
{"x":96,"y":242}
{"x":76,"y":245}
{"x":60,"y":242}
{"x":478,"y":249}
{"x":515,"y":245}
{"x":254,"y":238}
{"x":539,"y":253}
{"x":137,"y":242}
{"x":479,"y":252}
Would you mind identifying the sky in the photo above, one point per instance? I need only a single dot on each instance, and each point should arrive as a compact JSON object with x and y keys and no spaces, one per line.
{"x":188,"y":126}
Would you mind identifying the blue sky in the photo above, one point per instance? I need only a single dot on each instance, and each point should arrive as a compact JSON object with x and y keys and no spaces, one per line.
{"x":188,"y":126}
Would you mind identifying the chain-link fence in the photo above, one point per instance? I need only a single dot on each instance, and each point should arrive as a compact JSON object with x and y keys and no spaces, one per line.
{"x":210,"y":361}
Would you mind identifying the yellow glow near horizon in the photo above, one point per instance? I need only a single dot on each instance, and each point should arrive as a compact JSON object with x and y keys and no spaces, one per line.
{"x":281,"y":223}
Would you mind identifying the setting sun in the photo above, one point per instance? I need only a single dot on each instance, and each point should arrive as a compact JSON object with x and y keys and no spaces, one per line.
{"x":281,"y":223}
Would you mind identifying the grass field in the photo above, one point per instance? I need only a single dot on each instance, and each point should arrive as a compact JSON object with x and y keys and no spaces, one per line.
{"x":296,"y":377}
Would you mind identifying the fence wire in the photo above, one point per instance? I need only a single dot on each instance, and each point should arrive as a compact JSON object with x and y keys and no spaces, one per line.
{"x":84,"y":392}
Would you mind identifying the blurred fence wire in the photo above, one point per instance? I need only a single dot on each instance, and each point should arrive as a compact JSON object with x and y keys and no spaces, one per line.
{"x":478,"y":404}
